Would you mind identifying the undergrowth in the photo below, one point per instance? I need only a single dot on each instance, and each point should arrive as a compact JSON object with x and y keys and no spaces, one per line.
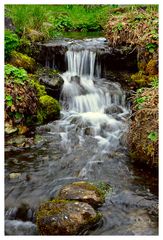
{"x":53,"y":20}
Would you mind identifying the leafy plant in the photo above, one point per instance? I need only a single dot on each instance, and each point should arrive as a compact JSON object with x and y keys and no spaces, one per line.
{"x":18,"y":75}
{"x":18,"y":115}
{"x":151,"y":47}
{"x":140,"y":100}
{"x":154,"y":83}
{"x":153,"y":136}
{"x":120,"y":26}
{"x":9,"y":100}
{"x":11,"y":42}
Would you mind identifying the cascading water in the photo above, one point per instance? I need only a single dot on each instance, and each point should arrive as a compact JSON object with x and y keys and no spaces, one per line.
{"x":88,"y":142}
{"x":95,"y":105}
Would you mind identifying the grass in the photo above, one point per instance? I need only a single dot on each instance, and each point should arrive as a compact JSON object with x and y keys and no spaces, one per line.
{"x":60,"y":18}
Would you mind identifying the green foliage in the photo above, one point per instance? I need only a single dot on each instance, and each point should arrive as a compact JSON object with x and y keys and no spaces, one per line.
{"x":154,"y":83}
{"x":140,"y":100}
{"x":9,"y":100}
{"x":52,"y":20}
{"x":40,"y":89}
{"x":63,"y":23}
{"x":119,"y":26}
{"x":153,"y":136}
{"x":18,"y":75}
{"x":18,"y":115}
{"x":151,"y":47}
{"x":11,"y":42}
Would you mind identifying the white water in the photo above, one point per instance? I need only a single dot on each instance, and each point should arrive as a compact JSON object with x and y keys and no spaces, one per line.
{"x":87,"y":101}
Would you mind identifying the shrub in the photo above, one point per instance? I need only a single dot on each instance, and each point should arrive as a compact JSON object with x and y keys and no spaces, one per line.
{"x":11,"y":43}
{"x":14,"y":74}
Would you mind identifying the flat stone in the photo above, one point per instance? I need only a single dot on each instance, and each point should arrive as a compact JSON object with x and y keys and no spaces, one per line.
{"x":82,"y":191}
{"x":62,"y":217}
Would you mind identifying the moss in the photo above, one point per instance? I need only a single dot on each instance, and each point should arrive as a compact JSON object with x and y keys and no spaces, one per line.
{"x":40,"y":89}
{"x":22,"y":60}
{"x":48,"y":208}
{"x":49,"y":109}
{"x":151,"y":67}
{"x":140,"y":78}
{"x":91,"y":187}
{"x":57,"y":217}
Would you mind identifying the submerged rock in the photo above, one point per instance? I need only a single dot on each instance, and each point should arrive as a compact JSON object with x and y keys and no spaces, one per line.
{"x":15,"y":227}
{"x":84,"y":192}
{"x":61,"y":217}
{"x":14,"y":175}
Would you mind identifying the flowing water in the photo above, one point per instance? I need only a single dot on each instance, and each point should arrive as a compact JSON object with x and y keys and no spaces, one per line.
{"x":87,"y":143}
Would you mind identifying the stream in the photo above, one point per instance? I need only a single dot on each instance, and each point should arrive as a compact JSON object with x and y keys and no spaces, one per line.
{"x":87,"y":143}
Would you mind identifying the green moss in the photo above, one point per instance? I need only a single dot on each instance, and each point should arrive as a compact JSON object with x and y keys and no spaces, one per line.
{"x":48,"y":208}
{"x":57,"y":209}
{"x":49,"y":109}
{"x":91,"y":187}
{"x":140,"y":78}
{"x":39,"y":88}
{"x":25,"y":46}
{"x":22,"y":60}
{"x":151,"y":67}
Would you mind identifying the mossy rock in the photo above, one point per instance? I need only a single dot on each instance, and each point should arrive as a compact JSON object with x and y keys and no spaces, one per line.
{"x":49,"y":109}
{"x":22,"y":60}
{"x":84,"y":192}
{"x":62,"y":217}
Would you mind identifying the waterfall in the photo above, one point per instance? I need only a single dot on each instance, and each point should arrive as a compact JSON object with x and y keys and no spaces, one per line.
{"x":81,"y":62}
{"x":94,"y":104}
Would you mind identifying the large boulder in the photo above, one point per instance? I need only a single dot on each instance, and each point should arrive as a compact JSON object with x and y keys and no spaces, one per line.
{"x":52,"y":82}
{"x":22,"y":60}
{"x":62,"y":217}
{"x":84,"y":192}
{"x":49,"y":109}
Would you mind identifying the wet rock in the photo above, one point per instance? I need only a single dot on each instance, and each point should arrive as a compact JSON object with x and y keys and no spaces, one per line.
{"x":53,"y":84}
{"x":129,"y":198}
{"x":52,"y":55}
{"x":75,"y":79}
{"x":19,"y":141}
{"x":84,"y":192}
{"x":89,"y":131}
{"x":14,"y":175}
{"x":15,"y":227}
{"x":113,"y":109}
{"x":61,"y":217}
